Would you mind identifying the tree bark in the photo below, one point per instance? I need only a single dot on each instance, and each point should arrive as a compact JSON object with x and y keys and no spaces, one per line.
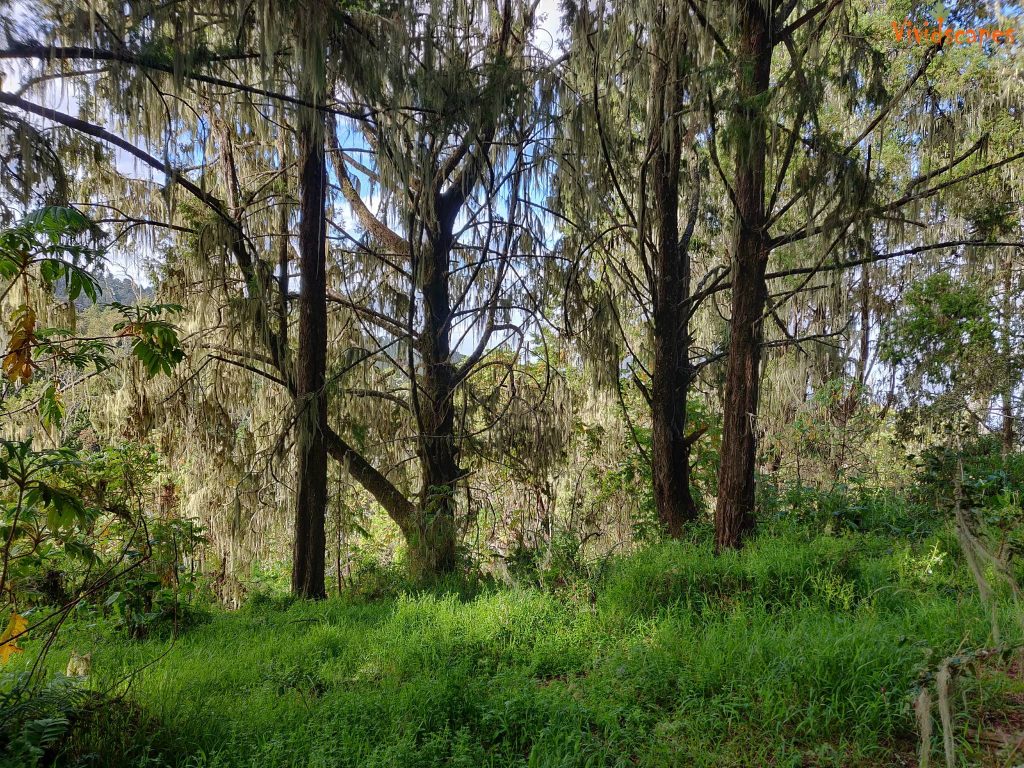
{"x":311,"y":367}
{"x":1009,"y":437}
{"x":432,"y":537}
{"x":672,"y":373}
{"x":734,"y":513}
{"x":670,"y":450}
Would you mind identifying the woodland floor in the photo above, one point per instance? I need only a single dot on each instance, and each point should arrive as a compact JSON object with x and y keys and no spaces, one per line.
{"x":799,"y":651}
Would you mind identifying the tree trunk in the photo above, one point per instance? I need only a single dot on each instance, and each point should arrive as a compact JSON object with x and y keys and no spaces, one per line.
{"x":734,"y":514}
{"x":311,"y":367}
{"x":859,"y":385}
{"x":672,"y":374}
{"x":865,"y":328}
{"x":670,"y":451}
{"x":432,"y":537}
{"x":1009,"y":438}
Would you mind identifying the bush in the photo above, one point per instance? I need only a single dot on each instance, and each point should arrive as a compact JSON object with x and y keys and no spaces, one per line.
{"x":846,"y":508}
{"x":978,"y":468}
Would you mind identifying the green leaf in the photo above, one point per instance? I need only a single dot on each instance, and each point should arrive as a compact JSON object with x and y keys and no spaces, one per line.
{"x":51,"y":408}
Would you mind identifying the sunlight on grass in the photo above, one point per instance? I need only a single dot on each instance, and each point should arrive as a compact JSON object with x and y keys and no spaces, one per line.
{"x":787,"y":651}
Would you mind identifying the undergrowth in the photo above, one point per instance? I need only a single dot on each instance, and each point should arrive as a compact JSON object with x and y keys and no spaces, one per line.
{"x":794,"y":651}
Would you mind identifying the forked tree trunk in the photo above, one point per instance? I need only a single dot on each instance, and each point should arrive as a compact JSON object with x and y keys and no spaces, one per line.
{"x":734,"y":514}
{"x":672,"y":374}
{"x":310,"y":368}
{"x":433,"y":536}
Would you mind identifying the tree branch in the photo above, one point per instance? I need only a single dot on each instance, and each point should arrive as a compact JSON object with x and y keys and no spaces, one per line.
{"x":32,"y":50}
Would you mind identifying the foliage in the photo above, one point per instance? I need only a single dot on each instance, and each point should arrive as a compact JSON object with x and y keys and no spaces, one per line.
{"x":76,"y":529}
{"x":534,"y":289}
{"x":31,"y":727}
{"x":48,"y":239}
{"x":73,"y":521}
{"x":154,"y":341}
{"x":45,"y":247}
{"x":163,"y":598}
{"x":945,"y":336}
{"x":59,"y":723}
{"x":977,"y":466}
{"x":845,"y":507}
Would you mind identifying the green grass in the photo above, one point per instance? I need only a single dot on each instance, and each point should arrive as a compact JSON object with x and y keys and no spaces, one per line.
{"x":792,"y":652}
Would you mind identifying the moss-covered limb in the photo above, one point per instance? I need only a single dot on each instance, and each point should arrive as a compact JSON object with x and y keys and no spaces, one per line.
{"x":48,"y":53}
{"x":97,"y":132}
{"x":383,"y":490}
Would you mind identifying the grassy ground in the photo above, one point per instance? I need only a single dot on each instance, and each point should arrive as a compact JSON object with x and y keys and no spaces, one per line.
{"x":793,"y":652}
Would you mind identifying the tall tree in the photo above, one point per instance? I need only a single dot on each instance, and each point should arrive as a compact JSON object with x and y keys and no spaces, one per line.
{"x":449,"y":255}
{"x":218,"y":73}
{"x":308,"y":561}
{"x":749,"y":251}
{"x":631,"y":184}
{"x":785,"y":100}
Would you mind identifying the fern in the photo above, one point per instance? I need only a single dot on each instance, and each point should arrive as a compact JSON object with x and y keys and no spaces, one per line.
{"x":35,"y":721}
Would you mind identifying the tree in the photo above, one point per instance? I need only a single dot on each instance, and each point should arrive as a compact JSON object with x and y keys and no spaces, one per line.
{"x":260,"y":306}
{"x":749,"y":250}
{"x":447,"y":117}
{"x":768,"y":124}
{"x":631,"y":183}
{"x":308,"y":561}
{"x":454,"y":271}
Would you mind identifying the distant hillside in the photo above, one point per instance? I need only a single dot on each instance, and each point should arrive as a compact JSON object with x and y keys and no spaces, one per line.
{"x":112,"y":289}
